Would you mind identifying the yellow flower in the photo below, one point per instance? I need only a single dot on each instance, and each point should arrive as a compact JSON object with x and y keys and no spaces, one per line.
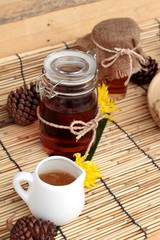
{"x":107,"y":105}
{"x":91,"y":169}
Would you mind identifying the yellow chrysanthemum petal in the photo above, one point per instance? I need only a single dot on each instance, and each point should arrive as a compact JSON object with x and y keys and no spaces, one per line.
{"x":91,"y":169}
{"x":107,"y":105}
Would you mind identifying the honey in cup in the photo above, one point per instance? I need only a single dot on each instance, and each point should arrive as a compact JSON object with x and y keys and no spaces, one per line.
{"x":57,"y":178}
{"x":60,"y":204}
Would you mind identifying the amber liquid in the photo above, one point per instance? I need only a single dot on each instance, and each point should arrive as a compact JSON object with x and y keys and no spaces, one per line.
{"x":62,"y":111}
{"x":116,"y":87}
{"x":57,"y":178}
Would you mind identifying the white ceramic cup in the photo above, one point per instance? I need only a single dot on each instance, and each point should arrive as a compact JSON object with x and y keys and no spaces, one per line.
{"x":59,"y":204}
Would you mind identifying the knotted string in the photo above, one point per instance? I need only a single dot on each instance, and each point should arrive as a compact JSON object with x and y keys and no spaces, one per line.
{"x":78,"y":127}
{"x":118,"y":52}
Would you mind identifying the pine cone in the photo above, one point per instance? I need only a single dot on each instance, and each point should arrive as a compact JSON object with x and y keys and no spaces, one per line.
{"x":31,"y":228}
{"x":146,"y":74}
{"x":22,"y":104}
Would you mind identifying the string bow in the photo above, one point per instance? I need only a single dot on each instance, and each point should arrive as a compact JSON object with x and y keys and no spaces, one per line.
{"x":118,"y":52}
{"x":80,"y":128}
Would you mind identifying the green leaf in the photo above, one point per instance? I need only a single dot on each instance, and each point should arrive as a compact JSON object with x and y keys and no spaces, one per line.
{"x":99,"y":132}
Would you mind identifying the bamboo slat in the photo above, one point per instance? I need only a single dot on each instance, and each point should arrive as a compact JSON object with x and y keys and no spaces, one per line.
{"x":125,"y":204}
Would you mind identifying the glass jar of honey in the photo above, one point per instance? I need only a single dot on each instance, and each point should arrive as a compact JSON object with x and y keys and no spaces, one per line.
{"x":118,"y":52}
{"x":68,"y":93}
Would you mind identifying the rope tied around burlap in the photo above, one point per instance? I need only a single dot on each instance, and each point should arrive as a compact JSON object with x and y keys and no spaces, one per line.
{"x":118,"y":50}
{"x":77,"y":127}
{"x":117,"y":53}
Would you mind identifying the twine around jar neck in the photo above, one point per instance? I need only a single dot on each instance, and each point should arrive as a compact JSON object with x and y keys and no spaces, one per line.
{"x":77,"y":127}
{"x":118,"y":52}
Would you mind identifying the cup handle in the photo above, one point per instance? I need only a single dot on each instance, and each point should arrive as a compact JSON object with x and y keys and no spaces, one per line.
{"x":18,"y":178}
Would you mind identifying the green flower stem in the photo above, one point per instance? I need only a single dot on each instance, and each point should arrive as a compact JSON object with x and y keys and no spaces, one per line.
{"x":99,"y":132}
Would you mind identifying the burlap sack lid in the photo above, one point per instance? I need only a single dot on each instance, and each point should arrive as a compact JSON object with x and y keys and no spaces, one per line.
{"x":123,"y":34}
{"x":117,"y":32}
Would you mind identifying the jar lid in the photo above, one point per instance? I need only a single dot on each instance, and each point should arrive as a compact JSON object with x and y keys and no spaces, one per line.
{"x":116,"y":33}
{"x":71,"y":67}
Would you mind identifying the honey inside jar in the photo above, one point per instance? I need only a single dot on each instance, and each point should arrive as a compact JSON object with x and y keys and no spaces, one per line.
{"x":69,"y":94}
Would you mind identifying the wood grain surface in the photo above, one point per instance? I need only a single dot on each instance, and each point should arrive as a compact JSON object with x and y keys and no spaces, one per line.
{"x":69,"y":23}
{"x":13,"y":10}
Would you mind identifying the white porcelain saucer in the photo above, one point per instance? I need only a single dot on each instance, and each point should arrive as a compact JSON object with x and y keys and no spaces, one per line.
{"x":152,"y":96}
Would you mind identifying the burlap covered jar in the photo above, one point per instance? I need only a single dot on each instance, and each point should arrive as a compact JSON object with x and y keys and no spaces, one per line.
{"x":119,"y":54}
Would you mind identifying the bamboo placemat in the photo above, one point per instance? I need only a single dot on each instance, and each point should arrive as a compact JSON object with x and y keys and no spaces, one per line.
{"x":125,"y":205}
